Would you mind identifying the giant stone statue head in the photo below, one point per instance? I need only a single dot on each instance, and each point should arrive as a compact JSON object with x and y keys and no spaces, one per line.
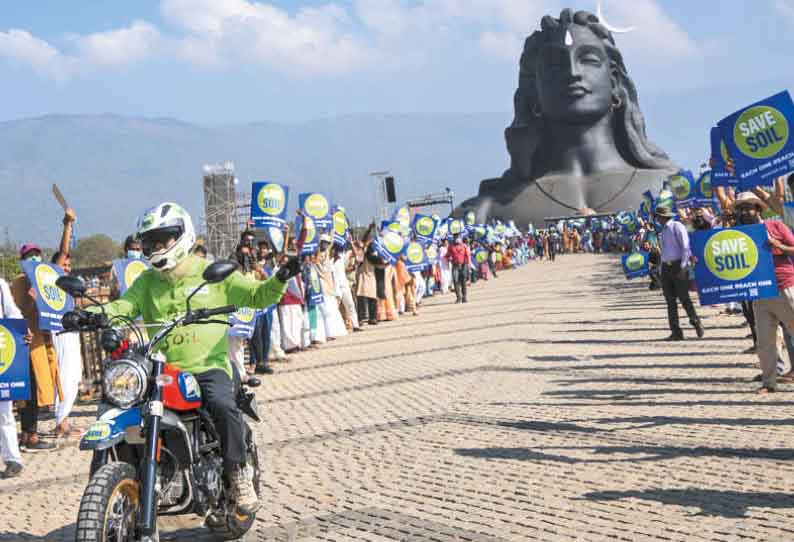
{"x":577,"y":143}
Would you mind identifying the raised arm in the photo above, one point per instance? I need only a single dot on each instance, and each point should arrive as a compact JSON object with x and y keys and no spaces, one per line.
{"x":66,"y":237}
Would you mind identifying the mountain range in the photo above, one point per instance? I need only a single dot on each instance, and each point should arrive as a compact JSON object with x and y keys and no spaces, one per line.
{"x":111,"y":167}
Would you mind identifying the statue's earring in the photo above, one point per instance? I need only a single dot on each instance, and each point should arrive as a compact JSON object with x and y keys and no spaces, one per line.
{"x":536,"y":111}
{"x":617,"y":105}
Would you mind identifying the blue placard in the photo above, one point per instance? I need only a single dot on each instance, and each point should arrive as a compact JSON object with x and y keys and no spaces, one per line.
{"x":759,"y":140}
{"x":704,"y":190}
{"x":635,"y":265}
{"x":316,"y":206}
{"x":646,"y":205}
{"x":314,"y":288}
{"x":682,"y":185}
{"x":424,"y":228}
{"x":14,"y":360}
{"x":390,"y":246}
{"x":341,"y":226}
{"x":733,"y":264}
{"x":311,"y":241}
{"x":269,"y":204}
{"x":415,"y":258}
{"x":127,"y":271}
{"x":243,"y":322}
{"x":431,"y":253}
{"x":720,"y":176}
{"x":51,"y":301}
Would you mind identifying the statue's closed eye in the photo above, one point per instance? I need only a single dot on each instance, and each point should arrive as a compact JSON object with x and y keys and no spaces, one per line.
{"x":591,"y":59}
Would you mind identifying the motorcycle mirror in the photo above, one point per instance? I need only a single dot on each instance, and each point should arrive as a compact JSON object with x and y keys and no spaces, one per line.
{"x":219,"y":270}
{"x":73,"y":286}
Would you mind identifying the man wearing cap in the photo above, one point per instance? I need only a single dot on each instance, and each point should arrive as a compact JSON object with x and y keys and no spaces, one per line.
{"x":769,"y":313}
{"x":675,"y":273}
{"x":45,"y":380}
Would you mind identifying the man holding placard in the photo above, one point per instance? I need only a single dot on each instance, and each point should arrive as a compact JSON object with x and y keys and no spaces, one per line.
{"x":9,"y":445}
{"x":770,"y":312}
{"x":45,"y":379}
{"x":675,"y":273}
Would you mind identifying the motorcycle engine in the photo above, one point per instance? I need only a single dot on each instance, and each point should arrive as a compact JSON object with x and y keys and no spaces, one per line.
{"x":209,"y":481}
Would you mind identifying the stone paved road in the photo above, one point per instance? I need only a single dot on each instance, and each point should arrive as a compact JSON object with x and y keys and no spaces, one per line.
{"x":545,"y":409}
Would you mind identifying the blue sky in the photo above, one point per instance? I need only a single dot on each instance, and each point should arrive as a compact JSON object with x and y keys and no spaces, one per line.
{"x":230,"y":61}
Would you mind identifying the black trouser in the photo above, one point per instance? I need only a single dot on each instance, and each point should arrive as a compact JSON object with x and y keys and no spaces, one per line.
{"x":367,"y":309}
{"x":677,"y":288}
{"x":656,"y":280}
{"x":459,"y":279}
{"x":29,"y":414}
{"x":552,"y":251}
{"x":219,"y":397}
{"x":260,"y":340}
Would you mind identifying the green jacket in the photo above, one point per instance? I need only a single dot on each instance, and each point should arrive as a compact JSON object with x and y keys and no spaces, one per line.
{"x":201,"y":347}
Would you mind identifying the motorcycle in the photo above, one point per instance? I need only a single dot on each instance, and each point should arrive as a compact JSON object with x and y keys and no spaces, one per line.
{"x":156,"y":451}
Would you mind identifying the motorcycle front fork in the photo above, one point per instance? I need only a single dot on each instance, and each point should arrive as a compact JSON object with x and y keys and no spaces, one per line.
{"x":148,"y":471}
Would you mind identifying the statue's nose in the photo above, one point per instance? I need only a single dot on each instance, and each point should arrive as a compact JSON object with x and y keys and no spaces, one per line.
{"x":571,"y":66}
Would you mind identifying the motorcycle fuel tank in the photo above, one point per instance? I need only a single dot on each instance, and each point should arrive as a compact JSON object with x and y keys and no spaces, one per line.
{"x":183,"y":392}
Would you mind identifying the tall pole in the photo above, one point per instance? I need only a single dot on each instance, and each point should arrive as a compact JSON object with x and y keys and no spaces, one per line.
{"x":380,"y":195}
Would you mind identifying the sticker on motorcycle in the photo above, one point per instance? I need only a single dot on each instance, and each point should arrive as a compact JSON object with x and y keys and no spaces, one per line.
{"x":98,"y":431}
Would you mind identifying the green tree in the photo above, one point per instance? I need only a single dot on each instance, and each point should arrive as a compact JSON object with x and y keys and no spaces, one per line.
{"x":95,"y":250}
{"x":9,"y":265}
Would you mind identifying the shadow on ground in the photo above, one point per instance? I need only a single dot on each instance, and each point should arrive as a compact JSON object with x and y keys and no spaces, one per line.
{"x":636,"y":453}
{"x":728,"y":504}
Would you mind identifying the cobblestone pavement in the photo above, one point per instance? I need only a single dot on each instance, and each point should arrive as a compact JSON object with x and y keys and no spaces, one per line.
{"x":547,"y":408}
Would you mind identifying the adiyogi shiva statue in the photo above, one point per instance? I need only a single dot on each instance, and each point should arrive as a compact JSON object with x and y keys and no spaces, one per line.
{"x":577,"y":143}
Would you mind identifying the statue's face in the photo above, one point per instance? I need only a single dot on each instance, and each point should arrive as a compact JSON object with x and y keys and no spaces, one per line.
{"x":574,"y":80}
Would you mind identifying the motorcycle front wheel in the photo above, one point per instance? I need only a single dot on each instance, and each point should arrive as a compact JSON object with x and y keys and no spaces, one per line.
{"x":110,"y":506}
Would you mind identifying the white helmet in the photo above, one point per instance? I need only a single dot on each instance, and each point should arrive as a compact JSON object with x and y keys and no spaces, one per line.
{"x":160,"y":224}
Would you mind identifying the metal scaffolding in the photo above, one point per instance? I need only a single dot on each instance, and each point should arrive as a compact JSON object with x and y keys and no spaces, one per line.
{"x":429,"y":203}
{"x":220,"y":209}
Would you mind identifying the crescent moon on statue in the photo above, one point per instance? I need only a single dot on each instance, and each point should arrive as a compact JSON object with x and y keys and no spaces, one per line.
{"x":602,"y":19}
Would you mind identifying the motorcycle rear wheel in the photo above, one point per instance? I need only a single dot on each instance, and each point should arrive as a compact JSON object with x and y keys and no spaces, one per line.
{"x":110,"y":506}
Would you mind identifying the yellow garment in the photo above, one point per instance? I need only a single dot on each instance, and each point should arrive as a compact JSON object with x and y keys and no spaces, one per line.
{"x":43,"y":360}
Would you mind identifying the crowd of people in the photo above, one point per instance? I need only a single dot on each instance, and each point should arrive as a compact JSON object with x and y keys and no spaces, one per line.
{"x":342,"y":288}
{"x":666,"y":237}
{"x":345,"y":288}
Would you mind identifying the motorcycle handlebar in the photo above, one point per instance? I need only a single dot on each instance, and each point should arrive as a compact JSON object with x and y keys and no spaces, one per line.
{"x":203,"y":314}
{"x":227,"y":309}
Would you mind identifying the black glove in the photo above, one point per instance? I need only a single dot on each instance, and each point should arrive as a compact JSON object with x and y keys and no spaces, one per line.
{"x":291,"y":268}
{"x":71,"y":320}
{"x":79,"y":320}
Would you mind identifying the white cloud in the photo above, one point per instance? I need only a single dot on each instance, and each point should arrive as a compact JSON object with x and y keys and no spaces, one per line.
{"x":315,"y":40}
{"x":120,"y":47}
{"x":657,"y":36}
{"x":785,"y":9}
{"x":330,"y":40}
{"x":24,"y":48}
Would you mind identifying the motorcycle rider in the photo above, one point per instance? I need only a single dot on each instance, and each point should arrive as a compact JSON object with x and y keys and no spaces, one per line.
{"x":167,"y":236}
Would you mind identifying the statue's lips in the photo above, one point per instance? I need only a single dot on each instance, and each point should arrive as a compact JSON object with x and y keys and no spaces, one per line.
{"x":577,"y":91}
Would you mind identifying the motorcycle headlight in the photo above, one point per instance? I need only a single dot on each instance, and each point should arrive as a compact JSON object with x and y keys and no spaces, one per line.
{"x":125,"y":383}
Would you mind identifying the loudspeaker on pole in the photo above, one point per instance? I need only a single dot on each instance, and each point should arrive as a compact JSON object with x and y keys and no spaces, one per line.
{"x":391,"y":196}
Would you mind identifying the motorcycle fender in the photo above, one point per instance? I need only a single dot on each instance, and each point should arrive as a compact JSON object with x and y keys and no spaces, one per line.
{"x":110,"y":428}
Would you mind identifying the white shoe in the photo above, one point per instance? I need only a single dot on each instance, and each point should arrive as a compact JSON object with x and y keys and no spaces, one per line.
{"x":242,"y":490}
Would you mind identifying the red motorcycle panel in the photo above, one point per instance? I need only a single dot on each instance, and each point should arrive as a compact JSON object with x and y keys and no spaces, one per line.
{"x":183,"y":393}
